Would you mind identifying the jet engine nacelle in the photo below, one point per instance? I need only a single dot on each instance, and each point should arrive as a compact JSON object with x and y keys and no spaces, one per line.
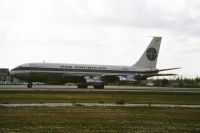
{"x":127,"y":79}
{"x":93,"y":80}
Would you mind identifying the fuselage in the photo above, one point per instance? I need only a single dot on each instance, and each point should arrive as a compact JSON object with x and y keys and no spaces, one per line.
{"x":58,"y":73}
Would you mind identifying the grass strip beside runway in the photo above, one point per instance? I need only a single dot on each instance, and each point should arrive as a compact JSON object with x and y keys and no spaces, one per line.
{"x":99,"y":119}
{"x":99,"y":97}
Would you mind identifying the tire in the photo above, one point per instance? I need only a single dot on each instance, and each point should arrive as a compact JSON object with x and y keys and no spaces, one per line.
{"x":29,"y":85}
{"x":79,"y":86}
{"x":82,"y":86}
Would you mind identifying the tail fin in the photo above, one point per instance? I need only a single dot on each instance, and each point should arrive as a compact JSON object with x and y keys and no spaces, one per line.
{"x":150,"y":56}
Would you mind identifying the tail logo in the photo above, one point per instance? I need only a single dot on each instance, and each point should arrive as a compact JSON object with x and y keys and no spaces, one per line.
{"x":151,"y":54}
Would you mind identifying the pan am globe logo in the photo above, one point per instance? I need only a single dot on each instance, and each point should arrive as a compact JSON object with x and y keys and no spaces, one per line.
{"x":151,"y":54}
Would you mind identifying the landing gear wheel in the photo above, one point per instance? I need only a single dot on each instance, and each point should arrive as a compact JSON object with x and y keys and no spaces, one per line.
{"x":29,"y":85}
{"x":98,"y":86}
{"x":82,"y":86}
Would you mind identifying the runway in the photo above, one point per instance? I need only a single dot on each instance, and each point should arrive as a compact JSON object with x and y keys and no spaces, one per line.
{"x":99,"y":105}
{"x":107,"y":88}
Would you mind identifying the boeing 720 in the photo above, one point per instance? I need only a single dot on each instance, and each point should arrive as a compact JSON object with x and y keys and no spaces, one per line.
{"x":95,"y":75}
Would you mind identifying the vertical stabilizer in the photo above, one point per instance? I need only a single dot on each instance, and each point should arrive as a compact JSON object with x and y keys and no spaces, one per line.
{"x":150,"y":56}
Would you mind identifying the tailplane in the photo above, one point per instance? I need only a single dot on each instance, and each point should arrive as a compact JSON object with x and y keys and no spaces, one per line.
{"x":150,"y":56}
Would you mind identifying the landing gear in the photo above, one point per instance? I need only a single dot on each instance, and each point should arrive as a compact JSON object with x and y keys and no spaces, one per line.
{"x":29,"y":85}
{"x":82,"y":85}
{"x":98,"y":86}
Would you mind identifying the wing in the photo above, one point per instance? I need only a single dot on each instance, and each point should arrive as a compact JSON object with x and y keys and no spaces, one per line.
{"x":160,"y":70}
{"x":92,"y":78}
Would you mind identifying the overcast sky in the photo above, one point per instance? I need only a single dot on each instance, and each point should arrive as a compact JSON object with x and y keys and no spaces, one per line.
{"x":100,"y":32}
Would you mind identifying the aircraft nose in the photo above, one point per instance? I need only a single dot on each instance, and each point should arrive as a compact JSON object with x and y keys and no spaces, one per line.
{"x":15,"y":74}
{"x":12,"y":72}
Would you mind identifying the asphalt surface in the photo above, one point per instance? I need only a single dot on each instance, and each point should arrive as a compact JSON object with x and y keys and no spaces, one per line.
{"x":107,"y":88}
{"x":98,"y":104}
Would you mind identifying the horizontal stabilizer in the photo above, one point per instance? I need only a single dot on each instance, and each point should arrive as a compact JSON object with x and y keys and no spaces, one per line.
{"x":157,"y":74}
{"x":160,"y":70}
{"x":167,"y":74}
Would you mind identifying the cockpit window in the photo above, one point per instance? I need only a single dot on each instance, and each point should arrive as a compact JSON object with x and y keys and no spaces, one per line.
{"x":18,"y":68}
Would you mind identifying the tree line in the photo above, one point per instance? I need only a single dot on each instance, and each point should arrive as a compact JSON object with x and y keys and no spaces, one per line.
{"x":175,"y":82}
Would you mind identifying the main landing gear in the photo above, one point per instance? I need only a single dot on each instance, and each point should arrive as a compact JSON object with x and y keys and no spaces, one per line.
{"x":82,"y":85}
{"x":30,"y":84}
{"x":86,"y":86}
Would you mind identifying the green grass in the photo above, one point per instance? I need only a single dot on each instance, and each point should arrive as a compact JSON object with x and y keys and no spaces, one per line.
{"x":105,"y":97}
{"x":99,"y":120}
{"x":80,"y":119}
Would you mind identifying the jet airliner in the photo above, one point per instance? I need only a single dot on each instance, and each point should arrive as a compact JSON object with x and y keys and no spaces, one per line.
{"x":95,"y":75}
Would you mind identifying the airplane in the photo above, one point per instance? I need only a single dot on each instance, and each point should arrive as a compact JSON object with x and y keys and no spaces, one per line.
{"x":95,"y":75}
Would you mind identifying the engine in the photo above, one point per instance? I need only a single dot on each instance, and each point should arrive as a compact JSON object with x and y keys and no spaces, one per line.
{"x":93,"y":80}
{"x":127,"y":79}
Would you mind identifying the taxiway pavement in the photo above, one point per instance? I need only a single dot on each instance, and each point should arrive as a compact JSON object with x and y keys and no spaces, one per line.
{"x":107,"y":88}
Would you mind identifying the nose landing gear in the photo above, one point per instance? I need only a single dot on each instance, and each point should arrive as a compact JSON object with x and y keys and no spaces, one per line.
{"x":30,"y":84}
